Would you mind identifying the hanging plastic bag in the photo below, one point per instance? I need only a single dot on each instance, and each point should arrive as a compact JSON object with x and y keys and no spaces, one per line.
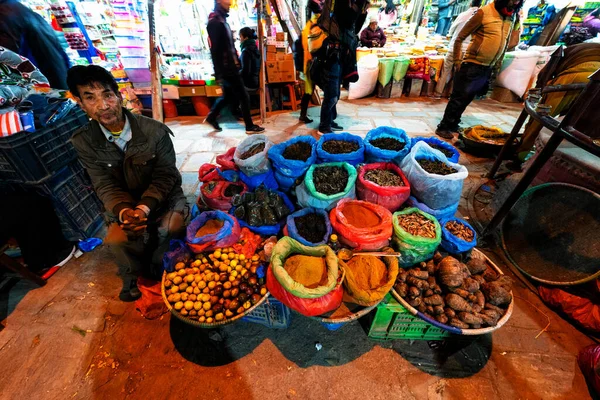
{"x":218,"y":195}
{"x":354,"y":158}
{"x":267,"y":179}
{"x":376,"y":154}
{"x":452,"y":153}
{"x":225,"y":237}
{"x":308,"y":196}
{"x":374,"y":234}
{"x":265,"y":230}
{"x":178,"y":252}
{"x":208,"y":172}
{"x":288,"y":171}
{"x":308,"y":307}
{"x":390,"y":197}
{"x":287,"y":247}
{"x":356,"y":290}
{"x":414,"y":249}
{"x":258,"y":163}
{"x":436,"y":191}
{"x":453,"y":244}
{"x":292,"y":231}
{"x":441,"y":214}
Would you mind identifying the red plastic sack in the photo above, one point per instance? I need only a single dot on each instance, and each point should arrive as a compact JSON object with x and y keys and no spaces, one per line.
{"x":307,"y":307}
{"x":390,"y":197}
{"x":226,"y":160}
{"x":369,"y":239}
{"x":213,"y":194}
{"x":589,"y":363}
{"x":581,"y":309}
{"x":419,"y":68}
{"x":151,"y":304}
{"x":248,"y":243}
{"x":208,"y":172}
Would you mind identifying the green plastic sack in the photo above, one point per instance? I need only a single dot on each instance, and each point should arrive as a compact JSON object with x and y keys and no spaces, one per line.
{"x":400,"y":68}
{"x":286,"y":247}
{"x":414,"y":249}
{"x":386,"y":69}
{"x":308,"y":196}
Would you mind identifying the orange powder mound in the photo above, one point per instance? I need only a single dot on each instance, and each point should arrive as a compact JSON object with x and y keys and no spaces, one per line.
{"x":210,"y":227}
{"x":369,"y":271}
{"x":309,"y":271}
{"x":360,"y":217}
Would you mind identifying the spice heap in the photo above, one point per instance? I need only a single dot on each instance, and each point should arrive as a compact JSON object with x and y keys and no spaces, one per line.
{"x":210,"y":227}
{"x":417,"y":225}
{"x":369,"y":272}
{"x":388,"y":143}
{"x":311,"y":227}
{"x":360,"y":216}
{"x":340,"y":146}
{"x":252,"y":151}
{"x":467,"y":296}
{"x":309,"y":271}
{"x":231,"y":190}
{"x":447,"y":152}
{"x":215,"y":286}
{"x":261,"y":208}
{"x":384,"y":177}
{"x":436,"y":167}
{"x":459,"y":230}
{"x":330,"y":180}
{"x":298,"y":151}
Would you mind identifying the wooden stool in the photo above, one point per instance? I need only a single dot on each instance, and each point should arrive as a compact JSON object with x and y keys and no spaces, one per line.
{"x":17,"y":267}
{"x":294,"y":101}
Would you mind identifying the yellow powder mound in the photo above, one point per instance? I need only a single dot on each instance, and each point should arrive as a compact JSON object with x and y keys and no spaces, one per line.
{"x":369,"y":271}
{"x":310,"y":272}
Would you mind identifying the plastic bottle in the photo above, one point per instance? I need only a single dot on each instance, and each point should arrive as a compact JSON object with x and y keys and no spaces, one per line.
{"x":334,"y":243}
{"x":90,"y":244}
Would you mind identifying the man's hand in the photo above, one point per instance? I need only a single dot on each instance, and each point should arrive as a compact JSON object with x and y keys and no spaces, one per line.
{"x":133,"y":222}
{"x":457,"y":66}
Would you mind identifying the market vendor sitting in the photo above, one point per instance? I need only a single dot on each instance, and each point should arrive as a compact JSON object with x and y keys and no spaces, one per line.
{"x":131,"y":162}
{"x":372,"y":35}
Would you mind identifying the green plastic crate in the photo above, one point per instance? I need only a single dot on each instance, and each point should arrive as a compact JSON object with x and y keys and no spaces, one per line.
{"x":166,"y":81}
{"x":393,"y":321}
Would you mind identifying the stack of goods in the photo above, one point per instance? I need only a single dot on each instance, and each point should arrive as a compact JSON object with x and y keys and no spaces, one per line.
{"x":465,"y":296}
{"x":263,"y":211}
{"x":279,"y":61}
{"x":326,"y":184}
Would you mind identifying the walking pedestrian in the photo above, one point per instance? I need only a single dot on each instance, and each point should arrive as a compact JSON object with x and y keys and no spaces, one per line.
{"x":250,"y":58}
{"x":445,"y":9}
{"x":314,"y":7}
{"x":227,"y":69}
{"x":493,"y":28}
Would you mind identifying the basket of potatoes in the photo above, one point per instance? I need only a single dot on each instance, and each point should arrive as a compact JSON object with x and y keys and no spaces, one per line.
{"x":215,"y":288}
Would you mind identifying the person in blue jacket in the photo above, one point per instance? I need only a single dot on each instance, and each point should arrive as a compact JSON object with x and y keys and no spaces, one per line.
{"x":446,"y":7}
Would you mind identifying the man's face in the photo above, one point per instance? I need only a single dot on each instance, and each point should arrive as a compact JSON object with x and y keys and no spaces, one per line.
{"x":101,"y":104}
{"x":226,"y":4}
{"x":513,"y":4}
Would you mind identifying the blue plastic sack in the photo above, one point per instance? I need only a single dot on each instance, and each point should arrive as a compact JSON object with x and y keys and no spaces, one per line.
{"x":441,"y":214}
{"x":287,"y":171}
{"x":433,"y":190}
{"x":269,"y":230}
{"x":267,"y":179}
{"x":453,"y":244}
{"x":354,"y":158}
{"x":229,"y":175}
{"x":178,"y":252}
{"x":293,"y":231}
{"x":375,"y":154}
{"x":226,"y":236}
{"x":440,"y":143}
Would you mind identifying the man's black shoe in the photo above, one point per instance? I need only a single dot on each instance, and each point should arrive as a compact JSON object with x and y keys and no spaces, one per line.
{"x":213,"y":122}
{"x":254,"y":129}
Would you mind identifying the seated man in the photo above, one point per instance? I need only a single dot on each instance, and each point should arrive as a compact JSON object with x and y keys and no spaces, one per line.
{"x":131,"y":162}
{"x":373,"y":35}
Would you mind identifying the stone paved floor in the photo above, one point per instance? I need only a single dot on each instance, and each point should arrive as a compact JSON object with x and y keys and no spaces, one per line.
{"x":73,"y":338}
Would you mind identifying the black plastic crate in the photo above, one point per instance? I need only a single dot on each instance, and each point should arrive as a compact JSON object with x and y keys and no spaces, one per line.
{"x":78,"y":208}
{"x":33,"y":156}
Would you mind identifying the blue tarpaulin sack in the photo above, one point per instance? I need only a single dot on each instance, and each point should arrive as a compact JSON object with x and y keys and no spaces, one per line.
{"x":228,"y":235}
{"x":442,"y":213}
{"x":434,"y":190}
{"x":439,"y":143}
{"x":376,"y":154}
{"x":268,"y":230}
{"x":267,"y":179}
{"x":293,"y":231}
{"x":453,"y":244}
{"x":178,"y":252}
{"x":354,"y":158}
{"x":288,"y":171}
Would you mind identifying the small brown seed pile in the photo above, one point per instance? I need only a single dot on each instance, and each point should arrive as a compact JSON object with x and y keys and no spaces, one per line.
{"x":436,"y":167}
{"x":459,"y":230}
{"x":417,"y":225}
{"x":384,"y":177}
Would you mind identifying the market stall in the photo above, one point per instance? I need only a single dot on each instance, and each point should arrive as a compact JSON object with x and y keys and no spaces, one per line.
{"x":335,"y":230}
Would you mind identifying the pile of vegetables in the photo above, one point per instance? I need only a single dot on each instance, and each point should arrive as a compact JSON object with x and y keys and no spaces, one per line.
{"x":467,"y":296}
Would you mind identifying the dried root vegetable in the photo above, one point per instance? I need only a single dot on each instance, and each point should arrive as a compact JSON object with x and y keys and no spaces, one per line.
{"x":417,"y":225}
{"x":470,"y":318}
{"x":418,"y":274}
{"x":450,"y":272}
{"x":457,"y":303}
{"x":477,"y":265}
{"x":435,"y":300}
{"x":496,"y":294}
{"x":459,"y":230}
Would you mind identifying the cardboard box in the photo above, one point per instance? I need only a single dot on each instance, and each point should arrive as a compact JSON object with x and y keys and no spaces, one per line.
{"x":281,"y":44}
{"x":286,"y":66}
{"x":281,"y":36}
{"x":271,"y":40}
{"x":287,"y":76}
{"x":274,"y":76}
{"x":272,"y":56}
{"x":191,"y":91}
{"x":170,"y":92}
{"x":284,"y":56}
{"x":214,"y":91}
{"x":271,"y":49}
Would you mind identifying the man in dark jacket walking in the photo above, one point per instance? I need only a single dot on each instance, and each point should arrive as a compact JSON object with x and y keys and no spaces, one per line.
{"x":28,"y":34}
{"x":227,"y":68}
{"x":131,"y":162}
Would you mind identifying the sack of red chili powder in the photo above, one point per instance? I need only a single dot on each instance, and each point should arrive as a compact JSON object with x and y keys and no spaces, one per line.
{"x":390,"y":197}
{"x":362,"y":225}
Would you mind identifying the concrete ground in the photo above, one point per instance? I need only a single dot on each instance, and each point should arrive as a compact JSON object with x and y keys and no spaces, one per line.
{"x":73,"y":338}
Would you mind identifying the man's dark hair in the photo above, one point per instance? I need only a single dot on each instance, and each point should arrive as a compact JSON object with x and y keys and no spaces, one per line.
{"x":93,"y":75}
{"x":500,"y":4}
{"x":476,"y":3}
{"x":315,"y":6}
